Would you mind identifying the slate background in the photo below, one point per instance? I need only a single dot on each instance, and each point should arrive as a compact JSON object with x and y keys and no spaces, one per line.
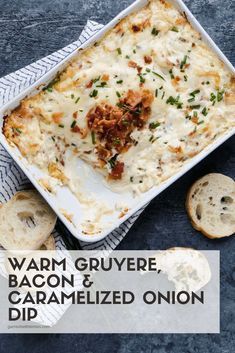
{"x":31,"y":29}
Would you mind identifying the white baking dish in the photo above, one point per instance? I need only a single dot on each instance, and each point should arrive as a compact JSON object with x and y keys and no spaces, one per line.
{"x":64,"y":201}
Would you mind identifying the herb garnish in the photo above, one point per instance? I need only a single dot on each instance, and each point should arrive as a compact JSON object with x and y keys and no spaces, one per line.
{"x":183,"y":62}
{"x":220,"y":95}
{"x":155,"y":73}
{"x":118,"y":94}
{"x":73,"y":124}
{"x":93,"y":93}
{"x":142,"y":79}
{"x":154,"y":125}
{"x":171,"y":73}
{"x":155,"y":31}
{"x":174,"y":101}
{"x":174,"y":29}
{"x":119,"y":82}
{"x":112,"y":161}
{"x":196,"y":106}
{"x":93,"y":137}
{"x":61,"y":125}
{"x":204,"y":111}
{"x":156,"y":92}
{"x":102,"y":84}
{"x":119,"y":51}
{"x":77,"y":100}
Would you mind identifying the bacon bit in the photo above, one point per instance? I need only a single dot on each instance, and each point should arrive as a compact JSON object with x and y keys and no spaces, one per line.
{"x":147,"y":59}
{"x":117,"y":171}
{"x":103,"y":153}
{"x":133,"y":64}
{"x":136,"y":28}
{"x":180,"y":21}
{"x":123,"y":213}
{"x":113,"y":125}
{"x":105,"y":77}
{"x":177,"y":149}
{"x":175,"y":80}
{"x":77,"y":129}
{"x":57,"y":117}
{"x":140,"y":26}
{"x":194,"y":119}
{"x":75,"y":115}
{"x":89,"y":84}
{"x":166,"y":4}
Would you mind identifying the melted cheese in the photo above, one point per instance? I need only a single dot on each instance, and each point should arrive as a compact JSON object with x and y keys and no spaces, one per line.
{"x":189,"y":111}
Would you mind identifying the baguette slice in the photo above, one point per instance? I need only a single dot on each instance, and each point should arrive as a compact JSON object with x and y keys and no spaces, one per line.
{"x":26,"y":221}
{"x":187,"y":268}
{"x":49,"y":244}
{"x":211,"y":205}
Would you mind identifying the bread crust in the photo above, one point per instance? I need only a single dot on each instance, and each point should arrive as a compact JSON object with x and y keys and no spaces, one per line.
{"x":189,"y":210}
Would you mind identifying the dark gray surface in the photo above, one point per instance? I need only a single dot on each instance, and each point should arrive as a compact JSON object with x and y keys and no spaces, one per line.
{"x":31,"y":29}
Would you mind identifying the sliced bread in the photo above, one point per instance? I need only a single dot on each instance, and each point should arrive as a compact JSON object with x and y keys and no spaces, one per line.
{"x":49,"y":244}
{"x":26,"y":221}
{"x":187,"y":268}
{"x":211,"y":205}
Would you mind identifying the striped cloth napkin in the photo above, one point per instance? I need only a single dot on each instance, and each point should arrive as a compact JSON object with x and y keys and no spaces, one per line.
{"x":12,"y":179}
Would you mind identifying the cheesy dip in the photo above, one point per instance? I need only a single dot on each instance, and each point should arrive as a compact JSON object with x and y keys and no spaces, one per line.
{"x":136,"y":106}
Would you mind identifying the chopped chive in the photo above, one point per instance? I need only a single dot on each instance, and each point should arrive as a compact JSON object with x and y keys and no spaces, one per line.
{"x":120,"y":82}
{"x":96,"y":79}
{"x":195,"y":114}
{"x":196,"y":106}
{"x":174,"y":101}
{"x":61,"y":125}
{"x":127,"y":56}
{"x":131,"y":179}
{"x":220,"y":95}
{"x":185,"y":78}
{"x":155,"y":73}
{"x":156,"y":92}
{"x":163,"y":94}
{"x":73,"y":124}
{"x":200,"y":122}
{"x":77,"y":100}
{"x":148,"y":70}
{"x":174,"y":29}
{"x":118,"y":94}
{"x":204,"y":111}
{"x":93,"y":93}
{"x":155,"y":31}
{"x":213,"y":97}
{"x":183,"y":62}
{"x":102,"y":84}
{"x":142,"y":79}
{"x":18,"y":130}
{"x":93,"y":137}
{"x":191,"y":99}
{"x":49,"y":89}
{"x":72,"y":96}
{"x":194,"y":92}
{"x":134,"y":51}
{"x":171,"y":73}
{"x":119,"y":51}
{"x":154,"y":125}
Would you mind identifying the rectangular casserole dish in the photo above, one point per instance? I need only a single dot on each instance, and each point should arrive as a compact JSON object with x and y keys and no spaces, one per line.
{"x":64,"y":203}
